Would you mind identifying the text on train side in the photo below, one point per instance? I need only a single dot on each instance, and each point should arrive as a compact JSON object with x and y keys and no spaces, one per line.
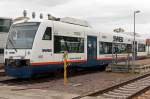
{"x":117,"y":39}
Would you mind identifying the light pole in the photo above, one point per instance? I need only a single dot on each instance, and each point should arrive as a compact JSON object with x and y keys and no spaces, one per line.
{"x":134,"y":47}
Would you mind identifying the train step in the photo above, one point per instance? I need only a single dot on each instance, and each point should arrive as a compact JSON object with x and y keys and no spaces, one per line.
{"x":117,"y":68}
{"x":138,"y":68}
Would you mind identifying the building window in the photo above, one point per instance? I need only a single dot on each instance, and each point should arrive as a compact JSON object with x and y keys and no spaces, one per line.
{"x":69,"y":44}
{"x":129,"y":48}
{"x":1,"y":51}
{"x":5,"y":25}
{"x":47,"y":34}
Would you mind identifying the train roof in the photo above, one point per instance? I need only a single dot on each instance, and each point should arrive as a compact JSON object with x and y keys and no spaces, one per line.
{"x":67,"y":20}
{"x":63,"y":24}
{"x":75,"y":21}
{"x":85,"y":28}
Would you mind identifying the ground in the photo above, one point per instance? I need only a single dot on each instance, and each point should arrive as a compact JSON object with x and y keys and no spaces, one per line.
{"x":55,"y":88}
{"x":15,"y":92}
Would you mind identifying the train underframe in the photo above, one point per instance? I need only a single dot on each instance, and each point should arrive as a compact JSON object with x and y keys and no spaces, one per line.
{"x":23,"y":69}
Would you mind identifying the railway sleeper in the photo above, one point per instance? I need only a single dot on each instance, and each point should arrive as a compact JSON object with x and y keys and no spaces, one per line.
{"x":136,"y":85}
{"x":119,"y":94}
{"x":148,"y":92}
{"x":144,"y":80}
{"x":132,"y":88}
{"x":88,"y":97}
{"x":126,"y":89}
{"x":101,"y":97}
{"x":106,"y":95}
{"x":141,"y":97}
{"x":145,"y":85}
{"x":123,"y":91}
{"x":142,"y":84}
{"x":145,"y":95}
{"x":132,"y":84}
{"x":136,"y":89}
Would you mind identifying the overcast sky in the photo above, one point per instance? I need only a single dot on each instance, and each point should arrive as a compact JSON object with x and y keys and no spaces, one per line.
{"x":103,"y":15}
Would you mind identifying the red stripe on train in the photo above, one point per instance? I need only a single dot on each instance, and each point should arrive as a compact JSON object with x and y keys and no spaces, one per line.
{"x":59,"y":62}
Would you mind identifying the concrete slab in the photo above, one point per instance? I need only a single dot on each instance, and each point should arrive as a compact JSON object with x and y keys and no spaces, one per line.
{"x":14,"y":92}
{"x":1,"y":58}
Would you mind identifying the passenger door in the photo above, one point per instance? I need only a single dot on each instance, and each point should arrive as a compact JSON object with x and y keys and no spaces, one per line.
{"x":91,"y":48}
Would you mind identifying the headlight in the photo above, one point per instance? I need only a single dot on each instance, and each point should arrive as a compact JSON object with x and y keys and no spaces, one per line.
{"x":29,"y":53}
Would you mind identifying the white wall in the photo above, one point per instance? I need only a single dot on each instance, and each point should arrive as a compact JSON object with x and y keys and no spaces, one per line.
{"x":1,"y":58}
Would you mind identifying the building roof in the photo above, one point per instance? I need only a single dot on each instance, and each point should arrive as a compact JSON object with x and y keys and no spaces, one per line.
{"x":5,"y":18}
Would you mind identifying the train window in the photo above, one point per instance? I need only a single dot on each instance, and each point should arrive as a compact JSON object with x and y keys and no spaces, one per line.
{"x":105,"y":47}
{"x":141,"y":47}
{"x":21,"y":35}
{"x":121,"y":48}
{"x":47,"y":34}
{"x":69,"y":44}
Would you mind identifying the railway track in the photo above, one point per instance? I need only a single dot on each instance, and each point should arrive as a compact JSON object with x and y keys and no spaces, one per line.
{"x":145,"y":95}
{"x":131,"y":89}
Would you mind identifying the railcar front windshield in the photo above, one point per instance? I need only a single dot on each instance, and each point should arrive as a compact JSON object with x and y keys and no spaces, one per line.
{"x":21,"y":35}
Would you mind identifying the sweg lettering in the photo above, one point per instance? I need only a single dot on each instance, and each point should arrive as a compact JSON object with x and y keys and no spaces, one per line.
{"x":117,"y":39}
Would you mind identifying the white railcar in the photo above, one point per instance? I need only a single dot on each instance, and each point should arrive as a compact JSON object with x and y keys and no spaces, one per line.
{"x":37,"y":46}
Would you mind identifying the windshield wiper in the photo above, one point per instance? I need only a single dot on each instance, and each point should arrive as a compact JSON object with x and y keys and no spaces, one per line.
{"x":12,"y":44}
